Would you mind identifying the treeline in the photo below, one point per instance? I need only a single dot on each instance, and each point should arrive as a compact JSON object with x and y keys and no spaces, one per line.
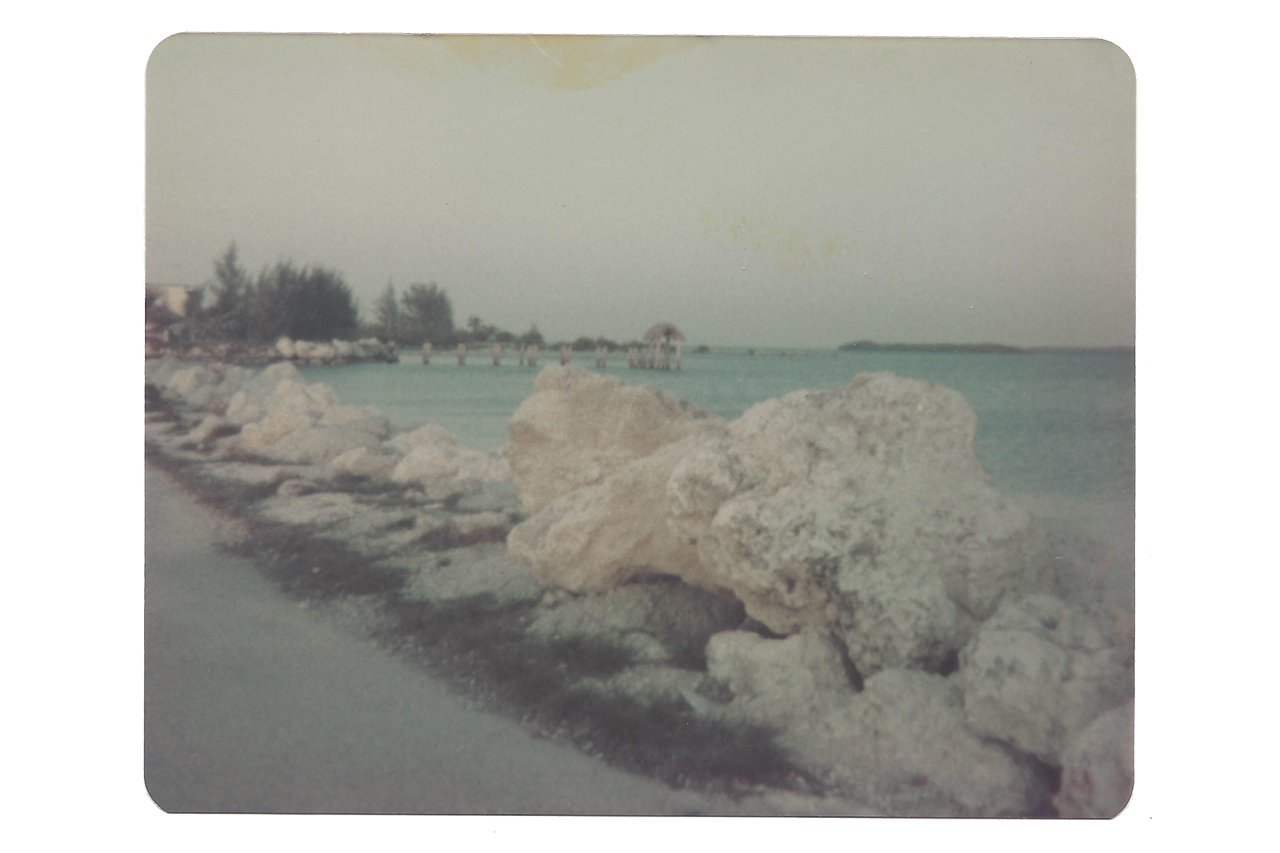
{"x":315,"y":304}
{"x":424,"y":314}
{"x":307,"y":304}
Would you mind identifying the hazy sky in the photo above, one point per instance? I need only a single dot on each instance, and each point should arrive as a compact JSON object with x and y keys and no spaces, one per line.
{"x":772,"y":192}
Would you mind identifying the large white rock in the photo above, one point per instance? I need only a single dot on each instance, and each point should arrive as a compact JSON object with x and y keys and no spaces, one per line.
{"x":201,"y":385}
{"x":305,"y":424}
{"x":249,"y":402}
{"x":600,"y":536}
{"x":1038,"y":673}
{"x":861,"y":509}
{"x":432,"y":455}
{"x":579,"y":427}
{"x":1097,"y":768}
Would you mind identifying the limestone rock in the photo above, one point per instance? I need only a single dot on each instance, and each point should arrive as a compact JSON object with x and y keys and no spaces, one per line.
{"x":208,"y":427}
{"x":496,"y":495}
{"x":362,"y":462}
{"x":249,"y":403}
{"x":295,"y":505}
{"x":432,"y":463}
{"x":680,"y":618}
{"x":601,"y":536}
{"x":431,"y":434}
{"x":903,"y":738}
{"x":433,"y":457}
{"x":906,"y":732}
{"x":305,"y":424}
{"x":1097,"y":768}
{"x":861,"y":509}
{"x":784,"y":683}
{"x":1038,"y":673}
{"x":579,"y":427}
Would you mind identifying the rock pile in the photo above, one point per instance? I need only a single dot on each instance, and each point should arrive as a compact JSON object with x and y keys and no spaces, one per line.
{"x":284,"y":349}
{"x":274,"y":416}
{"x":859,"y":531}
{"x":833,"y":565}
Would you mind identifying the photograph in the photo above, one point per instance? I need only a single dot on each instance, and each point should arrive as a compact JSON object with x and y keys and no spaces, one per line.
{"x":639,"y":425}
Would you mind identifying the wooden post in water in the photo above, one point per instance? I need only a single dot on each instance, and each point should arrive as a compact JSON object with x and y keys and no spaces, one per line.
{"x":678,"y":347}
{"x":633,"y":358}
{"x":531,"y":355}
{"x":564,"y":355}
{"x":602,"y":356}
{"x":496,"y":352}
{"x":426,"y":353}
{"x":462,"y":353}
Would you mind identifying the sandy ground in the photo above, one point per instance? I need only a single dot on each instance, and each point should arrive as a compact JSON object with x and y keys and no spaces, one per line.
{"x":254,"y":704}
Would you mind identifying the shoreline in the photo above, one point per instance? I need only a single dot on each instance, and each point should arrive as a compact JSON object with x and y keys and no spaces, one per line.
{"x":450,"y":756}
{"x":419,"y":565}
{"x":351,"y":588}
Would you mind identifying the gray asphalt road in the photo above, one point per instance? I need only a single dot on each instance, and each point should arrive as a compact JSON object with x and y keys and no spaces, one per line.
{"x":253,"y":704}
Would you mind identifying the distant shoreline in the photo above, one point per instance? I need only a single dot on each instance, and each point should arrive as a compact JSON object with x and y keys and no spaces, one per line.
{"x":871,"y":346}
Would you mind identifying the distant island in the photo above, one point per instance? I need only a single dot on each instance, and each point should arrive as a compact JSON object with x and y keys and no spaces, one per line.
{"x":872,"y":345}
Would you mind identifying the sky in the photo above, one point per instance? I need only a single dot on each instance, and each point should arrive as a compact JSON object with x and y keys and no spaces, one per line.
{"x":756,"y":192}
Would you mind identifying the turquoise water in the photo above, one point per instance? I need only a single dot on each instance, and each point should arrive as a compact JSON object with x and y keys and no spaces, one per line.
{"x":1049,"y":423}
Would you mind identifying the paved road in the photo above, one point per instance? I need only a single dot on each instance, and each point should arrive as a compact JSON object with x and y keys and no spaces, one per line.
{"x":256,"y":705}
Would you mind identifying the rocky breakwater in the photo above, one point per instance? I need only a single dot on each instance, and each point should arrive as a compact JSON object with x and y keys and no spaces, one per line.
{"x":295,"y":465}
{"x":284,"y":349}
{"x":901,"y":637}
{"x":402,"y":537}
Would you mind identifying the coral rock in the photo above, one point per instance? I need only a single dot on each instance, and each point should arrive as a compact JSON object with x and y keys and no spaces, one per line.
{"x":579,"y":427}
{"x":1038,"y":673}
{"x":861,"y":509}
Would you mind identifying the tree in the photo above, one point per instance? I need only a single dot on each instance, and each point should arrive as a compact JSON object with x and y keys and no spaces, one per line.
{"x":230,"y":312}
{"x":427,"y":315}
{"x":388,"y":309}
{"x":309,"y":304}
{"x":533,"y":336}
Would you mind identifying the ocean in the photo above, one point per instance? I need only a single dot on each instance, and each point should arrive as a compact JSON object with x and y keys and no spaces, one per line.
{"x":1051,"y":424}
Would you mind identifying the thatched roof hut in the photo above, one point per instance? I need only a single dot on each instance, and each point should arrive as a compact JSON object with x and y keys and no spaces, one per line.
{"x":665,"y":331}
